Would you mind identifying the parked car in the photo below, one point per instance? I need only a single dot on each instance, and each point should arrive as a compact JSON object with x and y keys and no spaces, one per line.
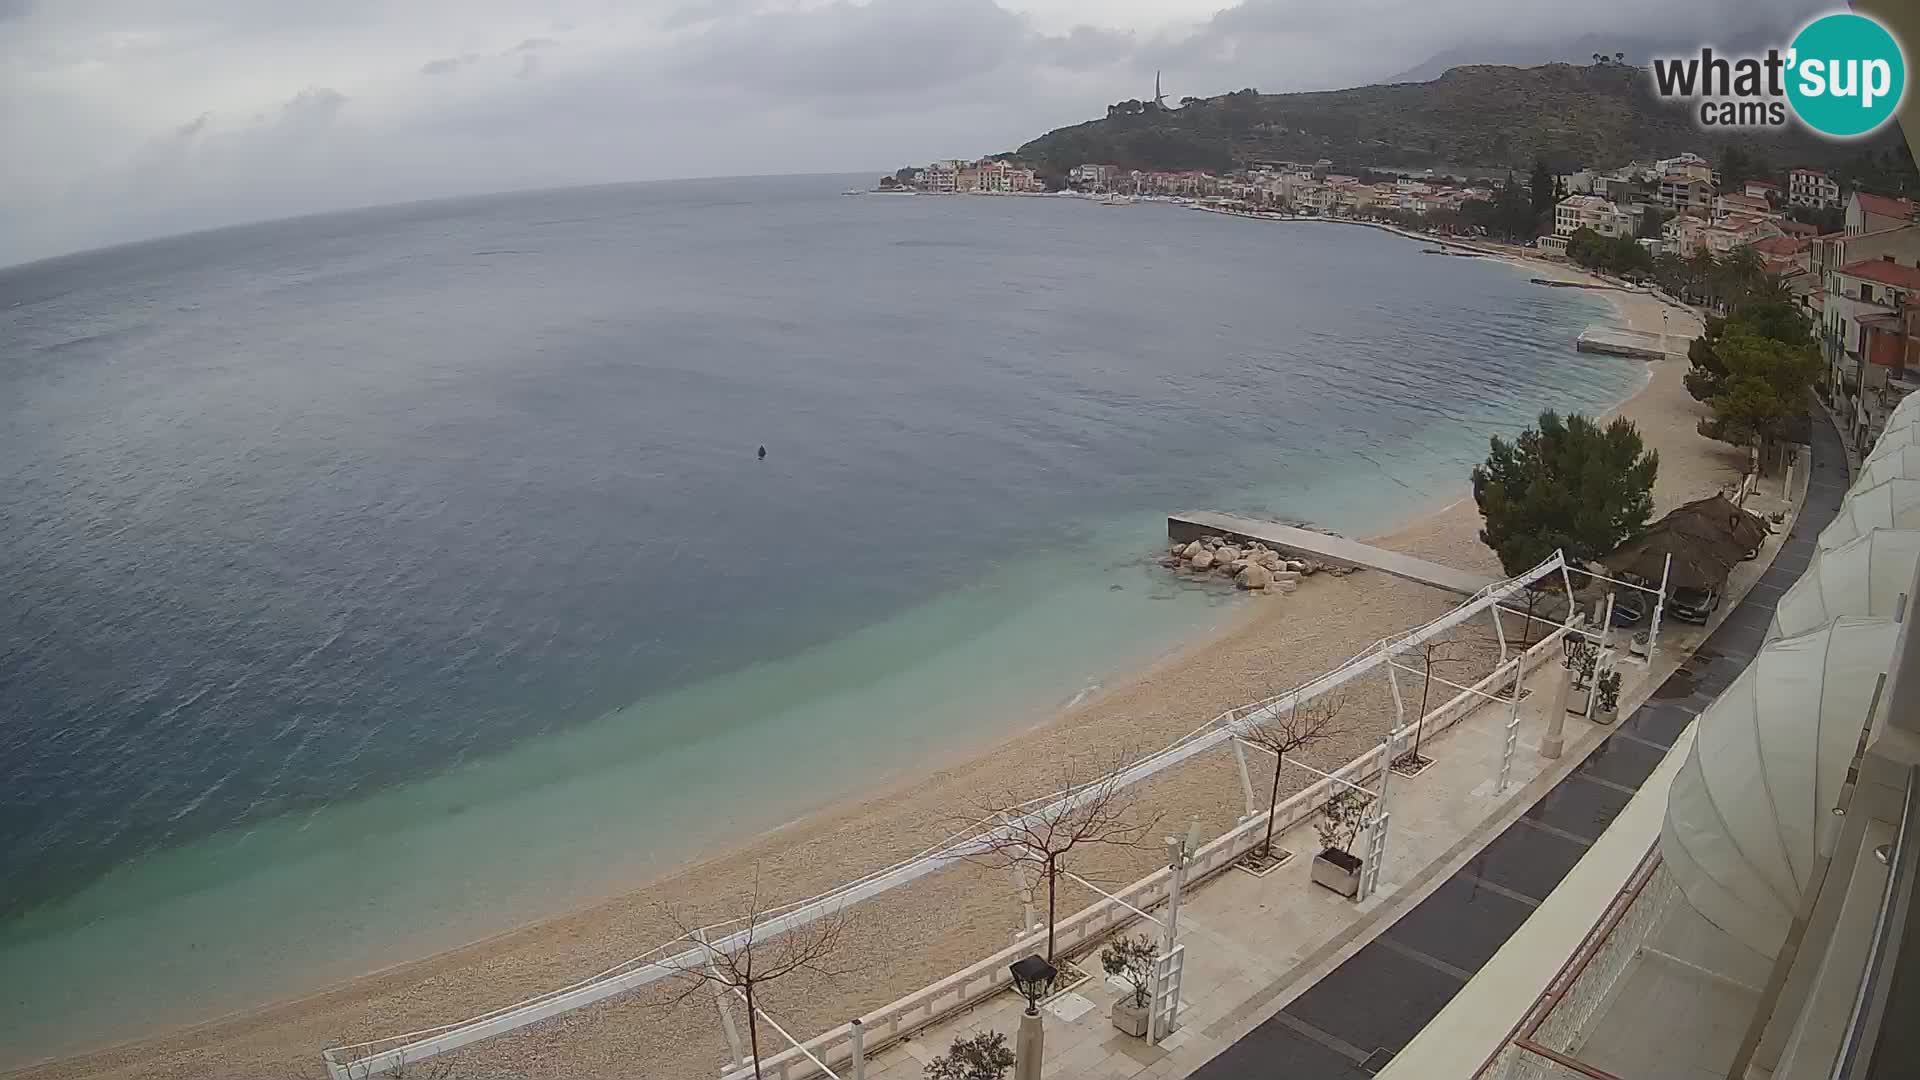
{"x":1693,"y":605}
{"x":1629,"y":607}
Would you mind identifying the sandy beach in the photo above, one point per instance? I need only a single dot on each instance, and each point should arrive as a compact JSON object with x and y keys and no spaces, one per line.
{"x":916,"y":934}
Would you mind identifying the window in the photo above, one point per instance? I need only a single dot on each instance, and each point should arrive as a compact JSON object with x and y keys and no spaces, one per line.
{"x":1866,"y":293}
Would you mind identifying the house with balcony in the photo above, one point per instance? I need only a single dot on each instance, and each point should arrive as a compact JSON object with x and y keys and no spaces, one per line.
{"x":1747,"y":205}
{"x":1811,"y":187}
{"x":1866,"y":305}
{"x":1093,"y":177}
{"x":1680,"y":191}
{"x":1576,"y":212}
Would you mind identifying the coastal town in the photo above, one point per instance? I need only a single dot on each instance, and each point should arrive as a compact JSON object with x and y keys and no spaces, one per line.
{"x":1849,"y":257}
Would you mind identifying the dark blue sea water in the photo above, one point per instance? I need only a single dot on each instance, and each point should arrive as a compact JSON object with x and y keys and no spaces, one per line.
{"x":434,"y":536}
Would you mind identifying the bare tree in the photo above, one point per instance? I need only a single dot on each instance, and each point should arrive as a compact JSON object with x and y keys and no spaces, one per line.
{"x":1433,"y":651}
{"x":1088,"y":810}
{"x":764,"y":956}
{"x":1282,"y":733}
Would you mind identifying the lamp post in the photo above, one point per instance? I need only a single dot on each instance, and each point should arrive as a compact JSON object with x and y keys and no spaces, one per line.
{"x":1032,"y":977}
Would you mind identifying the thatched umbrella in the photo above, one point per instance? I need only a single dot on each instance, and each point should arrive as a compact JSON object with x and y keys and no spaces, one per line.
{"x":1706,"y":538}
{"x":1716,"y":517}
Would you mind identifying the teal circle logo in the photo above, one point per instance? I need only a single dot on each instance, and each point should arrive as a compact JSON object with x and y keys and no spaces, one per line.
{"x":1847,"y":75}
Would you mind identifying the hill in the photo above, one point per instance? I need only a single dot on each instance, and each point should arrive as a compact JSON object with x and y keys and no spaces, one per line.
{"x":1481,"y":117}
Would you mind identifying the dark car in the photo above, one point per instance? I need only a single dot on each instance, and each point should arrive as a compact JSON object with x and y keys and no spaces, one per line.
{"x":1693,"y":605}
{"x":1629,"y":607}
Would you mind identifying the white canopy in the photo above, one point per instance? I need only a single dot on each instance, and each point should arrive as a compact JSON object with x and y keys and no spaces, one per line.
{"x":1905,"y":413}
{"x":1864,"y":576}
{"x":1899,"y":462}
{"x":1905,"y":433}
{"x":1890,"y":504}
{"x":1747,"y":810}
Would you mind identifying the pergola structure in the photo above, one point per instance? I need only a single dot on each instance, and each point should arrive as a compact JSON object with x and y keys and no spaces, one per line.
{"x":363,"y":1060}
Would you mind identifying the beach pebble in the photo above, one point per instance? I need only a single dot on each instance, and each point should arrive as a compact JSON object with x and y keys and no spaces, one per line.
{"x":1254,"y":576}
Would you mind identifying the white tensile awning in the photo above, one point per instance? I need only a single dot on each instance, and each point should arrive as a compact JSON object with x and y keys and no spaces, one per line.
{"x":1906,"y":433}
{"x":1868,"y":575}
{"x":1890,"y":504}
{"x":1750,"y":808}
{"x":1894,"y":463}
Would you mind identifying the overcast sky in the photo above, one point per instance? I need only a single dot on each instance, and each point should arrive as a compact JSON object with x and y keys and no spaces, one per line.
{"x":122,"y":119}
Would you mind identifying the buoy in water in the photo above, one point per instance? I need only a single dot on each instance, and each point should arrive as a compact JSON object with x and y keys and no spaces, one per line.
{"x":763,"y":453}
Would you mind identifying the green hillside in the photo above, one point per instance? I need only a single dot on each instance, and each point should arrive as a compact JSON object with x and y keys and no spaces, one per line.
{"x":1480,"y":117}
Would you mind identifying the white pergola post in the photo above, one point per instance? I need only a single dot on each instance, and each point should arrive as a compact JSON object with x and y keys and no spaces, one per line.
{"x":858,"y":1036}
{"x":1500,"y":632}
{"x":1659,"y":606}
{"x":1512,"y":739}
{"x":1029,"y":921}
{"x":1246,"y":778}
{"x":1377,"y":826}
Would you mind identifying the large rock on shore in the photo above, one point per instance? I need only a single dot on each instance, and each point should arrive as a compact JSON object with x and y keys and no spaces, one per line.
{"x":1254,"y":576}
{"x":1192,"y":550}
{"x":1202,"y":561}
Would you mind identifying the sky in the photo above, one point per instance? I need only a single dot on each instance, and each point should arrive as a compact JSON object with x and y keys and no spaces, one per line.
{"x":127,"y":119}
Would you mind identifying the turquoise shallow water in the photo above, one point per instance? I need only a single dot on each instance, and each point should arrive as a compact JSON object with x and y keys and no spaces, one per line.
{"x":390,"y":578}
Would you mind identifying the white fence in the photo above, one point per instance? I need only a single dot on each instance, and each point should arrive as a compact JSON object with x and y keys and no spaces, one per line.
{"x":364,"y":1060}
{"x":1079,"y":931}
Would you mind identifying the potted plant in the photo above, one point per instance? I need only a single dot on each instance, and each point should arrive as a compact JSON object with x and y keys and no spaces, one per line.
{"x":1132,"y":959}
{"x":1341,"y":819}
{"x":985,"y":1056}
{"x":1606,"y":705}
{"x":1581,"y":659}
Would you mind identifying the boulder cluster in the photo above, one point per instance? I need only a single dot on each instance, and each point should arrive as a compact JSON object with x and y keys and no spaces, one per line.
{"x":1255,"y":566}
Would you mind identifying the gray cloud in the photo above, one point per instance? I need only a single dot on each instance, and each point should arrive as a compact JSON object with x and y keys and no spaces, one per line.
{"x":113,"y":131}
{"x":448,"y":64}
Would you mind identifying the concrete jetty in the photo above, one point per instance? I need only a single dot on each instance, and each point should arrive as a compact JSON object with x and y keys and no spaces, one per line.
{"x":1621,"y":341}
{"x":1320,"y":547}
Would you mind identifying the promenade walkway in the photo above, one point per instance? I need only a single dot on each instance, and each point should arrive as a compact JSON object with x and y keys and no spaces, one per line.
{"x":1284,"y":979}
{"x":1326,"y":548}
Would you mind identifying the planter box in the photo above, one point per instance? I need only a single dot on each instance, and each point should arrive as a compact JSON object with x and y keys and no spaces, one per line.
{"x":1129,"y":1019}
{"x":1335,"y":869}
{"x":1603,"y":715}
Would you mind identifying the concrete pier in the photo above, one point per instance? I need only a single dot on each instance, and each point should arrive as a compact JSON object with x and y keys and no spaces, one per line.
{"x":1322,"y":548}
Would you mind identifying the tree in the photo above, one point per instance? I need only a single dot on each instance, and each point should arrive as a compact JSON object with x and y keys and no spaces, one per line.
{"x":1764,"y":388}
{"x":1282,"y":733}
{"x":1132,"y":959}
{"x":1033,"y":836}
{"x":762,"y":958}
{"x":985,"y":1056}
{"x":1567,"y":485}
{"x":1651,"y":218}
{"x":1436,"y":651}
{"x":1735,"y":168}
{"x":1541,"y":194}
{"x":1705,"y":372}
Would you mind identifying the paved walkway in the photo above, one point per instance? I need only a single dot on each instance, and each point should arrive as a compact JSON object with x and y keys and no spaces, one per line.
{"x":1352,"y":1022}
{"x":1324,"y":547}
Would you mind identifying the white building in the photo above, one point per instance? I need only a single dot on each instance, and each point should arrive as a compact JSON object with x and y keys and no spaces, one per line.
{"x":1576,"y":212}
{"x":1811,"y":187}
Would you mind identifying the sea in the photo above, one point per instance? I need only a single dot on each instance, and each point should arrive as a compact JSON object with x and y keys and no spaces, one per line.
{"x":372,"y":582}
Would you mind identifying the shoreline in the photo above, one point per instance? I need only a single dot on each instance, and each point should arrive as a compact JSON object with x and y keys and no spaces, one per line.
{"x":371,"y":1004}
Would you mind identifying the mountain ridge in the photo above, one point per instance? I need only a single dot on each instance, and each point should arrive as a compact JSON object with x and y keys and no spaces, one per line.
{"x":1486,"y":117}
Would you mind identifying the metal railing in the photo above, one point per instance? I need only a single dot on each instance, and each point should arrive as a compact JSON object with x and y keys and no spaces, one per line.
{"x":1562,"y":1011}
